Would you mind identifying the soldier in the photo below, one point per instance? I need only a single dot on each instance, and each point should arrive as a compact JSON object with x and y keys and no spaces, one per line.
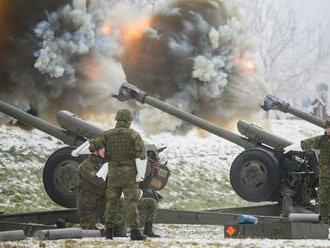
{"x":321,"y":143}
{"x":90,"y":194}
{"x":147,"y":208}
{"x":122,"y":146}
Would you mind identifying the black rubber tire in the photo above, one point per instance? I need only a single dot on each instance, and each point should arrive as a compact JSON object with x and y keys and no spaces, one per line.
{"x":63,"y":155}
{"x":269,"y":167}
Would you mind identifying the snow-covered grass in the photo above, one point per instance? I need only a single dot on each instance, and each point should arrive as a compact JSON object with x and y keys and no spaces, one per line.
{"x":200,"y":179}
{"x":200,"y":169}
{"x":22,"y":156}
{"x":199,"y":164}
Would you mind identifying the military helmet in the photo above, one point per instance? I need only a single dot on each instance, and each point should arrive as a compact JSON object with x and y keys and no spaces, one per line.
{"x":124,"y":115}
{"x":327,"y":122}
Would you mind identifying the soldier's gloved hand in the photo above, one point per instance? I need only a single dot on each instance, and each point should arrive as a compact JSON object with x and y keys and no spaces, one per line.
{"x":294,"y":147}
{"x":81,"y":150}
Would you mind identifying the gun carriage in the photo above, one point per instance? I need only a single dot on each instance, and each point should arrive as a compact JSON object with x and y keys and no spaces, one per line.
{"x":262,"y":169}
{"x":60,"y":173}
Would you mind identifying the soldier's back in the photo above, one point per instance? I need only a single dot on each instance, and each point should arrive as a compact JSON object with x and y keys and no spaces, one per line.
{"x":120,"y":145}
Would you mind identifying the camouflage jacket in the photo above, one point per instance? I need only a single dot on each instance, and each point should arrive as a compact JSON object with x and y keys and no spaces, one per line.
{"x":122,"y":145}
{"x":88,"y":181}
{"x":90,"y":194}
{"x":321,"y":143}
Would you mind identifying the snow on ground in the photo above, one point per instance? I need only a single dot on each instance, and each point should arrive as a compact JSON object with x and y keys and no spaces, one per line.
{"x":22,"y":156}
{"x":199,"y":164}
{"x":200,"y":179}
{"x":173,"y":236}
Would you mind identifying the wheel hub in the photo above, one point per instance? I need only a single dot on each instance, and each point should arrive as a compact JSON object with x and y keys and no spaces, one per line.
{"x":66,"y":177}
{"x":253,"y":175}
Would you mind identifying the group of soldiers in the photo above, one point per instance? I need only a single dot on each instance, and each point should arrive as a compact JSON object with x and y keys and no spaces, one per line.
{"x":100,"y":201}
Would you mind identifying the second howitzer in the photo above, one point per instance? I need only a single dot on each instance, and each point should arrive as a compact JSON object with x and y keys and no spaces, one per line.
{"x":274,"y":103}
{"x":60,"y":174}
{"x":261,"y":171}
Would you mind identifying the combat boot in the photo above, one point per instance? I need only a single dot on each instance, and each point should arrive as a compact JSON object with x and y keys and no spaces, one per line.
{"x":109,"y":233}
{"x":120,"y":231}
{"x":148,"y":231}
{"x":137,"y":235}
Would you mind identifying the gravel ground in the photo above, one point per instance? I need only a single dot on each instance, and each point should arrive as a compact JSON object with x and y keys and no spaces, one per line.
{"x":174,"y":236}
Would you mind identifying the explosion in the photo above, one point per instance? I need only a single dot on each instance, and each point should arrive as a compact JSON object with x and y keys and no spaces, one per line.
{"x":193,"y":54}
{"x":197,"y":56}
{"x":135,"y":31}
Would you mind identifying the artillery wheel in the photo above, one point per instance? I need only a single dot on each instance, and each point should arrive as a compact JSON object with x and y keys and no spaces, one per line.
{"x":255,"y":175}
{"x":60,"y":177}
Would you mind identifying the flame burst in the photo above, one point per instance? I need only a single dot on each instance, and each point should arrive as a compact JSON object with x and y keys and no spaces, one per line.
{"x":106,"y":29}
{"x":246,"y":64}
{"x":135,"y":30}
{"x":130,"y":32}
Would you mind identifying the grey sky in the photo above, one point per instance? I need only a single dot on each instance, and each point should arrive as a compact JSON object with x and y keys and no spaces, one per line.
{"x":314,"y":10}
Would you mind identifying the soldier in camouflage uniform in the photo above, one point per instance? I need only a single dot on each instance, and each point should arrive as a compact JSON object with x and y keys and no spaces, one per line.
{"x":321,"y":143}
{"x":122,"y":146}
{"x":147,"y":208}
{"x":90,"y":194}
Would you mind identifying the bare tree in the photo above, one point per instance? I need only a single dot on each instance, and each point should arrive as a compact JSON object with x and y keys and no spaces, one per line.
{"x":289,"y":52}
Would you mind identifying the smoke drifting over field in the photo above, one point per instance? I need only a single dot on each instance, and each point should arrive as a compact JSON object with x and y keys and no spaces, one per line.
{"x":193,"y":54}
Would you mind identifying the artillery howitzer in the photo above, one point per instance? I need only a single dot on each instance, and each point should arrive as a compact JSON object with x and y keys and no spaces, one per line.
{"x":60,"y":174}
{"x":258,"y":173}
{"x":274,"y":103}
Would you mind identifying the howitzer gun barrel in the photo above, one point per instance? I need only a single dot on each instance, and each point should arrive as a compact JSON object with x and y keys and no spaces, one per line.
{"x":257,"y":134}
{"x":274,"y":103}
{"x":128,"y":91}
{"x":38,"y":123}
{"x":78,"y":126}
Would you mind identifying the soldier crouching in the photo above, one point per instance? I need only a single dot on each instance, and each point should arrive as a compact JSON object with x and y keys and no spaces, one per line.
{"x":90,"y":194}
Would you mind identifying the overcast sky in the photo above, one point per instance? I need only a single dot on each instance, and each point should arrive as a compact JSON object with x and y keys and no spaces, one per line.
{"x":314,"y":10}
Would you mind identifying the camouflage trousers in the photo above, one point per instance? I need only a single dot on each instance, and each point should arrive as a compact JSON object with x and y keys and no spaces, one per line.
{"x":90,"y":208}
{"x":112,"y":211}
{"x":147,"y":208}
{"x":324,"y":198}
{"x":88,"y":220}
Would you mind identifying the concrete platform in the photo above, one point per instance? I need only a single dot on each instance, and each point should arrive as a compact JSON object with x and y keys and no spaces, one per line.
{"x":278,"y":230}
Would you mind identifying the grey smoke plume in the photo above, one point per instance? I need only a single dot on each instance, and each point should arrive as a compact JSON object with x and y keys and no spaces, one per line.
{"x":193,"y":54}
{"x":197,"y":55}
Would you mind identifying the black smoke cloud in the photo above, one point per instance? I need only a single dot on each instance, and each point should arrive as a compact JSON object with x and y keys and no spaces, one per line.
{"x":19,"y":79}
{"x":197,"y":55}
{"x":193,"y":55}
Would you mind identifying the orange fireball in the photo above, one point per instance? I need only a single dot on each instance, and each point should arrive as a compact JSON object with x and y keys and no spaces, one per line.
{"x":106,"y":29}
{"x":245,"y":64}
{"x":134,"y":31}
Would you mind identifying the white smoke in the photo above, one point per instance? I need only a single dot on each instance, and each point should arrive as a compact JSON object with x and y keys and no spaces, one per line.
{"x":67,"y":33}
{"x":225,"y":81}
{"x":195,"y":55}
